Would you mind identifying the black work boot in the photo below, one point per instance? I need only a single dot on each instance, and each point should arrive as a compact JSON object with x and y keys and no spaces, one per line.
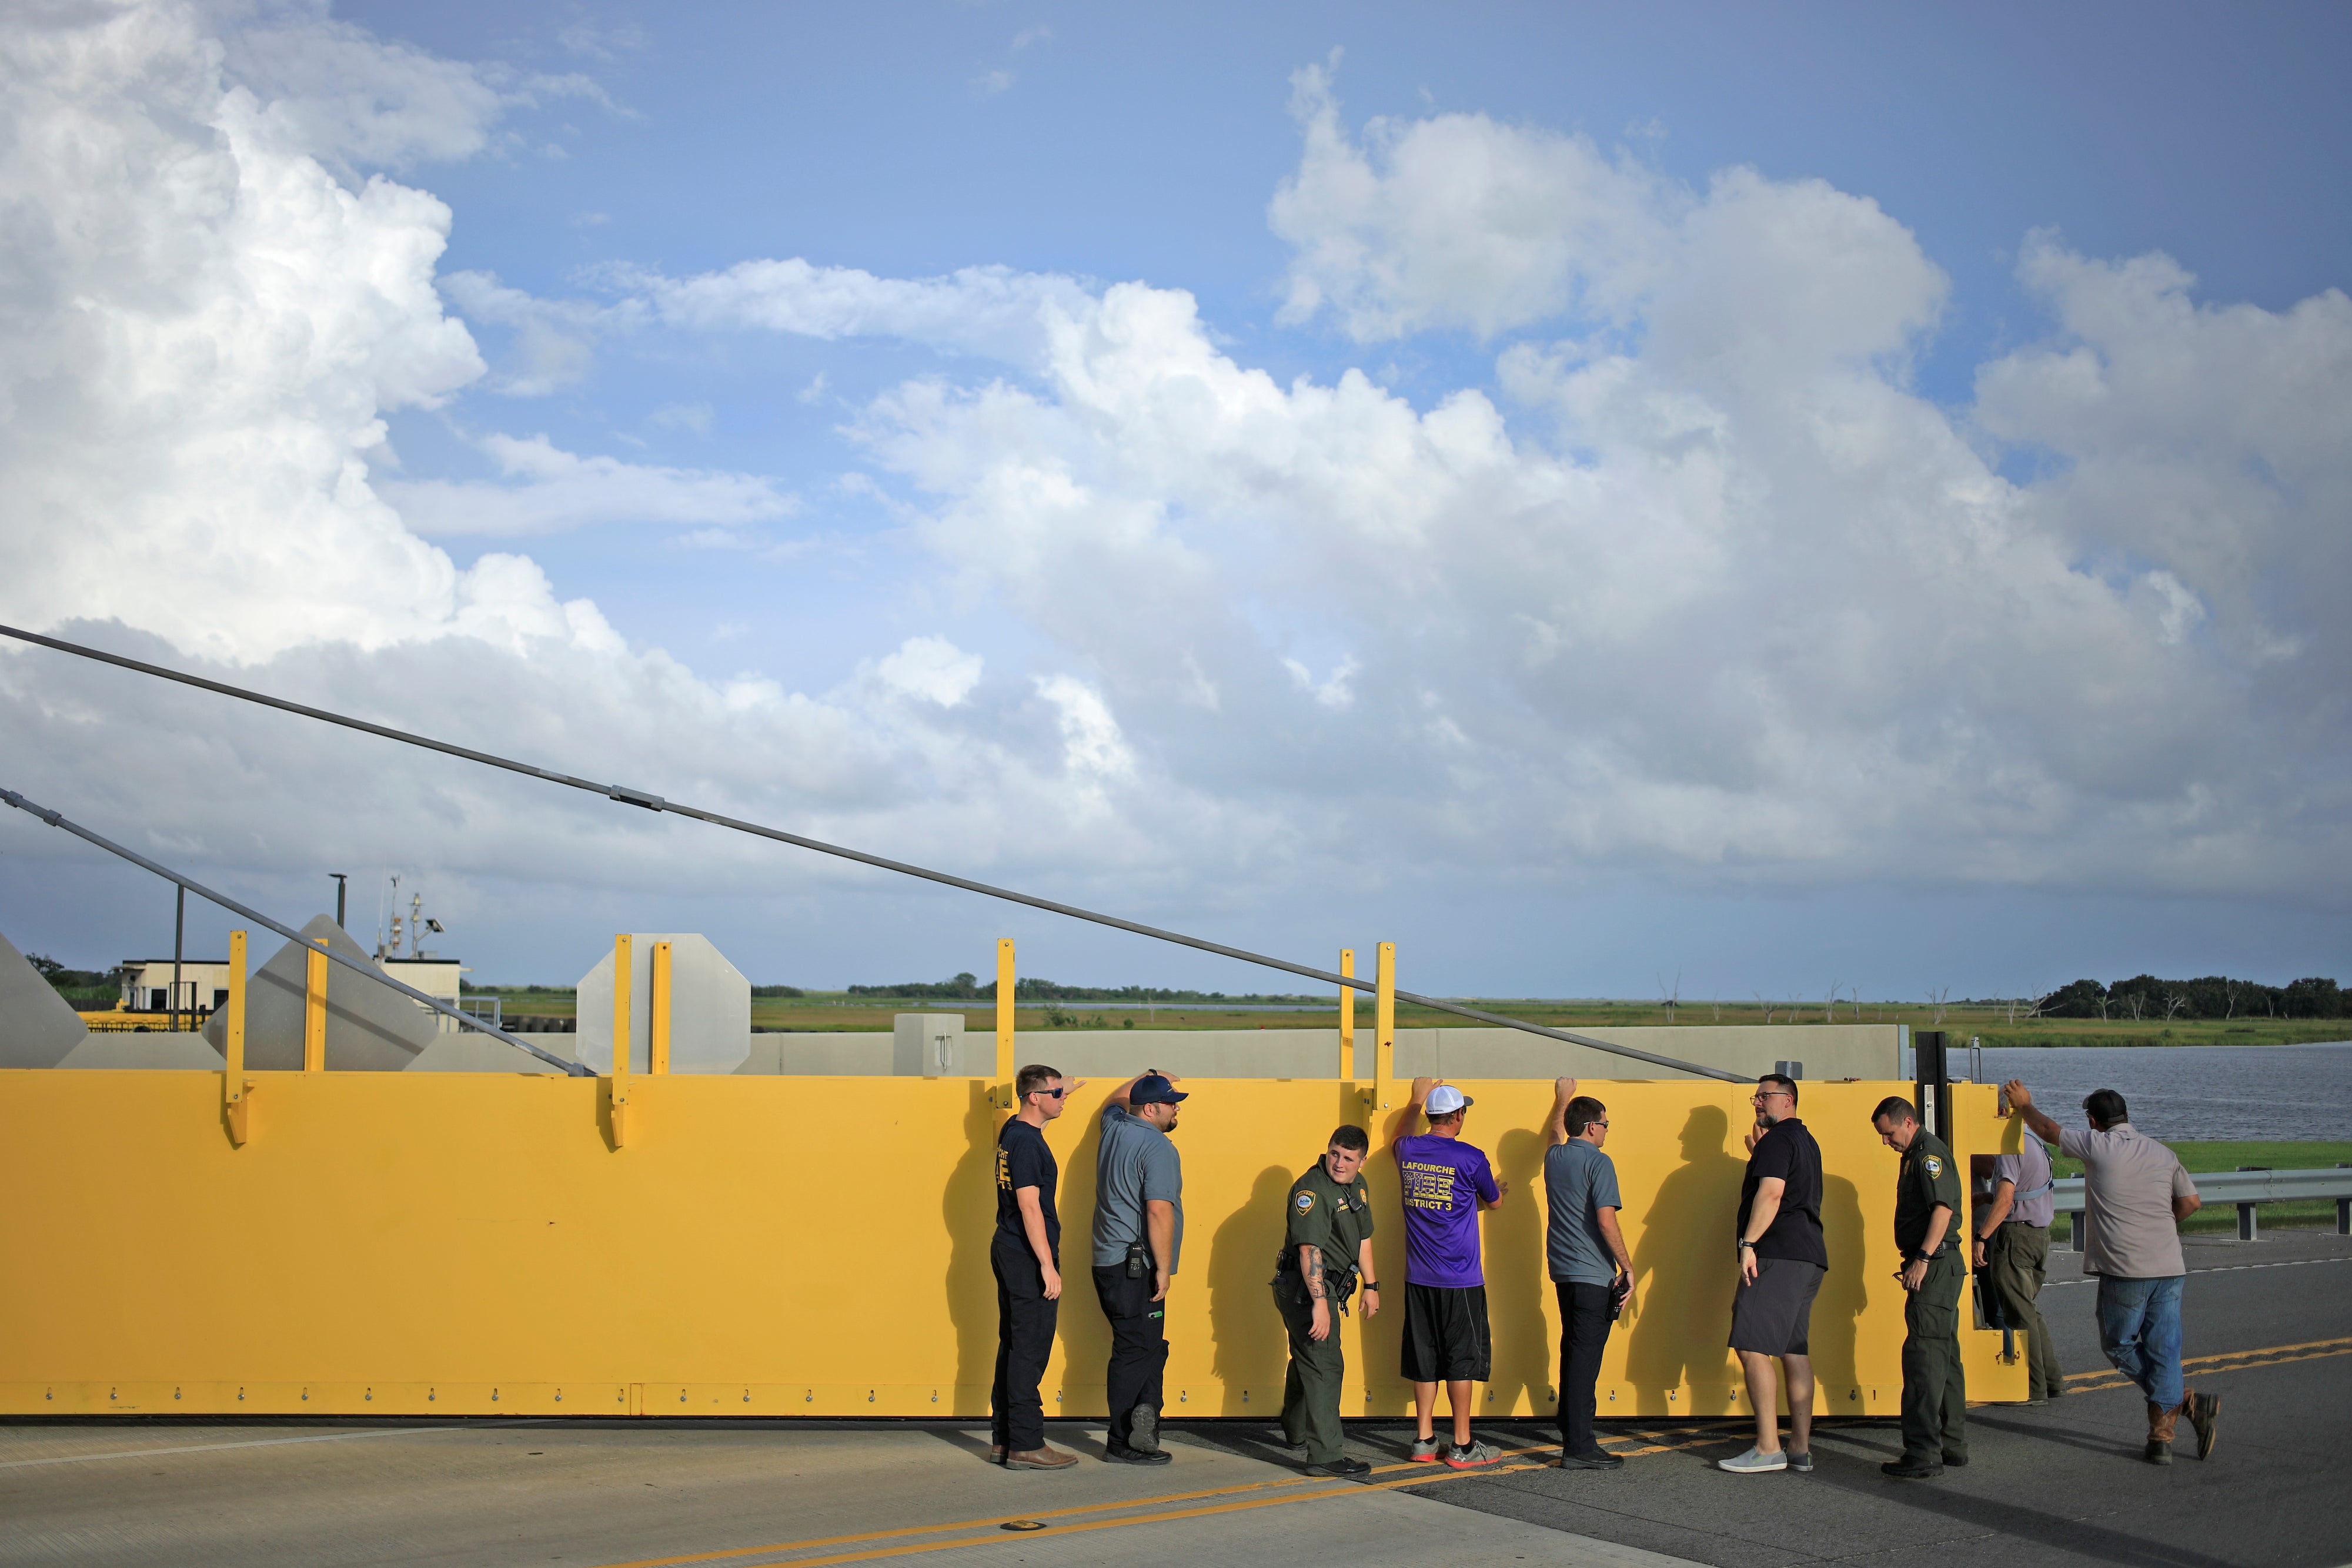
{"x":1143,"y":1429}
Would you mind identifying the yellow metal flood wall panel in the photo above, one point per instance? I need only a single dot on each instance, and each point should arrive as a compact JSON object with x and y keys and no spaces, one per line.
{"x":473,"y":1243}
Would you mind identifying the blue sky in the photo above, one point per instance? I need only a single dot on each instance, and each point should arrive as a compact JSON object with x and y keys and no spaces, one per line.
{"x":1846,"y":497}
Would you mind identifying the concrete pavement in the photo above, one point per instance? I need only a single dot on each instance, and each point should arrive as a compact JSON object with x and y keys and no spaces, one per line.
{"x":489,"y":1495}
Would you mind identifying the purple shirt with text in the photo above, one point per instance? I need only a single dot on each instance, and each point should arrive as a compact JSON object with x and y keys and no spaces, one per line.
{"x":1442,"y":1182}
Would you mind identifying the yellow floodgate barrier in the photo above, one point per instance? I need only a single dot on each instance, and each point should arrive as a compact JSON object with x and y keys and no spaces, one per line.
{"x":314,"y":1242}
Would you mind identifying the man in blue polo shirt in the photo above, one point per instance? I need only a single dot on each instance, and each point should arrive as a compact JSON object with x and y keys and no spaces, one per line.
{"x":1444,"y":1183}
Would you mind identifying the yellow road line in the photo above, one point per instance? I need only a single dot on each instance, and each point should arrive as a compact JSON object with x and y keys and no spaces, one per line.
{"x":1126,"y":1519}
{"x":991,"y":1522}
{"x":2229,"y":1360}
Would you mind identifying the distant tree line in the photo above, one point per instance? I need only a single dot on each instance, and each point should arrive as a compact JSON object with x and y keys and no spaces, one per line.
{"x":77,"y":982}
{"x":967,"y":988}
{"x":2145,"y":997}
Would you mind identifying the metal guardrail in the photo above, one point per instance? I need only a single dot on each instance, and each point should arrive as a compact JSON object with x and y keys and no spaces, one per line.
{"x":2248,"y":1189}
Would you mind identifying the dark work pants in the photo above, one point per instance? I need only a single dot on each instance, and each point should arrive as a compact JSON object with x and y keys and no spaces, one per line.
{"x":1025,"y":1337}
{"x":1138,"y":1346}
{"x":1583,"y":1335}
{"x":1935,"y":1398}
{"x":1310,"y":1388}
{"x":2019,"y":1255}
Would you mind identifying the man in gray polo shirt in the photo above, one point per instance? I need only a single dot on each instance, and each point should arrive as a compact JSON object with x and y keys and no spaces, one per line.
{"x":2134,"y":1195}
{"x":1584,"y":1251}
{"x":1139,"y":1236}
{"x":2013,"y":1250}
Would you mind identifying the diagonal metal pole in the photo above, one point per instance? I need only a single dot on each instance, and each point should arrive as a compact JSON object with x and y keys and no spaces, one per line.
{"x":188,"y":886}
{"x":652,"y":802}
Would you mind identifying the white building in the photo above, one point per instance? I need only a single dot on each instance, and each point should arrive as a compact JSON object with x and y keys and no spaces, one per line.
{"x":147,"y":985}
{"x":203,"y":983}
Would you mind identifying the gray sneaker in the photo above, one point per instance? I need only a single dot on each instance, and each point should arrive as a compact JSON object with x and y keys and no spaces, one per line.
{"x":1476,"y":1456}
{"x":1424,"y":1450}
{"x":1753,"y":1463}
{"x":1801,"y":1463}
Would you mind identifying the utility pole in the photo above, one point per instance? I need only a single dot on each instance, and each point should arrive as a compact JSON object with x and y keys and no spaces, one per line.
{"x":179,"y":934}
{"x":342,"y":880}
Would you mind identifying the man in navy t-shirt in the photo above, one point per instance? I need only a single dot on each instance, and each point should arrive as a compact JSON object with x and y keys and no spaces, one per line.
{"x":1781,"y":1260}
{"x":1444,"y":1183}
{"x":1026,"y":1255}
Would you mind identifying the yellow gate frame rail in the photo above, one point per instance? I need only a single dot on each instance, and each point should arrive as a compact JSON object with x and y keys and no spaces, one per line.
{"x":466,"y":1243}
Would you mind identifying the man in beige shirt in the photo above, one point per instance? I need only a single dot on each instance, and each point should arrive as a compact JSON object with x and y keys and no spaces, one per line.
{"x":2135,"y":1196}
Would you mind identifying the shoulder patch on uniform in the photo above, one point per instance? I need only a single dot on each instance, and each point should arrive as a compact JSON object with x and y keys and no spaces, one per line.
{"x":1932,"y":1164}
{"x":1306,"y":1200}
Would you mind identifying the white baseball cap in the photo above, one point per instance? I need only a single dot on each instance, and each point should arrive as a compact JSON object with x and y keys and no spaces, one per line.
{"x":1445,"y":1099}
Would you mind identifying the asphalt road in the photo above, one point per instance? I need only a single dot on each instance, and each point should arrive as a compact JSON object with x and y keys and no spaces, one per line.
{"x":2058,"y":1483}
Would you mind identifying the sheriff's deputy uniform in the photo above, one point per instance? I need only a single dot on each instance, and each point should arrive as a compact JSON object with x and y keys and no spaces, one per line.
{"x":1334,"y":1219}
{"x":1935,"y":1399}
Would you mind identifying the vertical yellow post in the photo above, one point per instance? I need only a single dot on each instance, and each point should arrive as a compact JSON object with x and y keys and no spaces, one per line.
{"x":1347,"y":1018}
{"x":624,"y":967}
{"x":1384,"y":1026}
{"x":314,"y":1010}
{"x":1006,"y":1063}
{"x":657,"y":1049}
{"x":233,"y":1085}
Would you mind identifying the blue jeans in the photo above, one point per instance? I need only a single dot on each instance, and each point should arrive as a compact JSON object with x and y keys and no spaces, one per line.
{"x":2139,"y":1328}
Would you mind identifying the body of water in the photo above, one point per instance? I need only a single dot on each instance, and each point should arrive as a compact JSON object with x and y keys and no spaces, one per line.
{"x":2234,"y":1092}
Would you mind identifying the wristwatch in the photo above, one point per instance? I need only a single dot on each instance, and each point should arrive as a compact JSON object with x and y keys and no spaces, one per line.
{"x":1743,"y":1247}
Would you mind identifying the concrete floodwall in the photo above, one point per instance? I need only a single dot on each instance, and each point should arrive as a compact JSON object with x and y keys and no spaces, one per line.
{"x":1827,"y":1051}
{"x":450,"y":1243}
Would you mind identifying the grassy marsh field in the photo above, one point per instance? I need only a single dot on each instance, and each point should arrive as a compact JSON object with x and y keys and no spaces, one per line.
{"x":831,"y":1012}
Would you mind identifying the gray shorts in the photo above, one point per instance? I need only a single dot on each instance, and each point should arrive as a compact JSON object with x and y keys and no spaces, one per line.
{"x":1774,"y":1316}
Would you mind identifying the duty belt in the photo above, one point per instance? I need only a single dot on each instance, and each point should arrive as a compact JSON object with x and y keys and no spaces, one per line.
{"x":1338,"y":1279}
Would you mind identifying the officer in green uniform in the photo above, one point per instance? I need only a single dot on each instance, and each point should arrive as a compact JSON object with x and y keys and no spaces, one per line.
{"x":1327,"y":1247}
{"x":1926,"y":1224}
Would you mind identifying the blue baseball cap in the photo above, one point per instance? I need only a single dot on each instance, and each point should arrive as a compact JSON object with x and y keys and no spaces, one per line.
{"x":1151,"y":1088}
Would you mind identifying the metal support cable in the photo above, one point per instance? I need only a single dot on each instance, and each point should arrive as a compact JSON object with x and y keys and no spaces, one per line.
{"x":57,"y":819}
{"x":653,"y":802}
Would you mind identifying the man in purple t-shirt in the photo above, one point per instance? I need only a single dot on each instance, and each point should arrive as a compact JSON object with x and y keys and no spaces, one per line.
{"x":1444,"y":1183}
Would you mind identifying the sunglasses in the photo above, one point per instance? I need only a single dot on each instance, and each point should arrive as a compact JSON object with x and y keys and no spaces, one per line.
{"x":1052,"y":1094}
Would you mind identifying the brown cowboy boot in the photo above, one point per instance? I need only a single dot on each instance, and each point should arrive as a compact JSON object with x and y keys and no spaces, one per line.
{"x":2161,"y":1424}
{"x":2204,"y":1413}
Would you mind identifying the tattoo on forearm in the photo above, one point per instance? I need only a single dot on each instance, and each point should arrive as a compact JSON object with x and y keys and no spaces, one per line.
{"x":1315,"y":1274}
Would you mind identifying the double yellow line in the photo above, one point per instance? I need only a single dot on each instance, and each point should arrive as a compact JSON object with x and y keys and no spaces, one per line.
{"x":2233,"y":1361}
{"x":1279,"y":1493}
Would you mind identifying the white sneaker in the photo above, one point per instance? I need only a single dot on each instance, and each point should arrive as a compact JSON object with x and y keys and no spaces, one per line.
{"x":1755,"y":1463}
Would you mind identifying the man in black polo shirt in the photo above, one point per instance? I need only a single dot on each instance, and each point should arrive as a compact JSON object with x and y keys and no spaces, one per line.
{"x":1781,"y":1261}
{"x":1026,"y":1254}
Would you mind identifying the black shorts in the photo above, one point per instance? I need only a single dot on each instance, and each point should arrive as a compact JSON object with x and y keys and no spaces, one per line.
{"x":1774,"y":1316}
{"x":1446,"y":1338}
